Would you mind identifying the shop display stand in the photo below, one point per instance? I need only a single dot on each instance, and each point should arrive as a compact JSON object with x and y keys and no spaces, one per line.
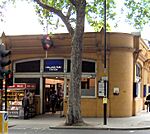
{"x":15,"y":96}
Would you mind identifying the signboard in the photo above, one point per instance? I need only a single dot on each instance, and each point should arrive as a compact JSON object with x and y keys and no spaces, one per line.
{"x":3,"y":122}
{"x":104,"y":100}
{"x":22,"y":85}
{"x":101,"y":88}
{"x":54,"y":65}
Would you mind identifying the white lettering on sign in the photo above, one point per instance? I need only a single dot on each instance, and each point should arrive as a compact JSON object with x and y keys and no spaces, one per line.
{"x":53,"y":68}
{"x":5,"y":116}
{"x":23,"y":85}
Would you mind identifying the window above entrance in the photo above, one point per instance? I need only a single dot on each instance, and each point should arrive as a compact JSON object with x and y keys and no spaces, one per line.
{"x":28,"y":66}
{"x":87,"y":66}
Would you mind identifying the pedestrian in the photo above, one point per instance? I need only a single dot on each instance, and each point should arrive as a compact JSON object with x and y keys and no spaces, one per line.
{"x":61,"y":106}
{"x":25,"y":104}
{"x":53,"y":100}
{"x":147,"y":102}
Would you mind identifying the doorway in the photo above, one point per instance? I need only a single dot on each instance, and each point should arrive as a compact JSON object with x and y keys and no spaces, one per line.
{"x":53,"y":85}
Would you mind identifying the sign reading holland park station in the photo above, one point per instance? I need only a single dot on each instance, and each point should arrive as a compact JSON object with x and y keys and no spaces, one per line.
{"x":53,"y":65}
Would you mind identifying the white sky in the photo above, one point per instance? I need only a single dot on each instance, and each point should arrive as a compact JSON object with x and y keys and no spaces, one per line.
{"x":22,"y":20}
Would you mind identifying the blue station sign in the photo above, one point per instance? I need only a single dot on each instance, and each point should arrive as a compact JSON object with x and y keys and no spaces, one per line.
{"x":54,"y":65}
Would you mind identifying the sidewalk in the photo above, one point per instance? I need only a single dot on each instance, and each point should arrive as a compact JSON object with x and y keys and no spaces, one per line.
{"x":141,"y":121}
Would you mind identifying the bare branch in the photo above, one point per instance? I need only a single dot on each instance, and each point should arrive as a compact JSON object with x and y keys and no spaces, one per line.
{"x":59,"y":13}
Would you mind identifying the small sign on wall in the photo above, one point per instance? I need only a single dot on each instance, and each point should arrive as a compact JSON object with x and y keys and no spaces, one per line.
{"x":101,"y":88}
{"x":116,"y":91}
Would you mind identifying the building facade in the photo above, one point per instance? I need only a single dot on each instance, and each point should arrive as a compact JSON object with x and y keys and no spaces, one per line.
{"x":127,"y":71}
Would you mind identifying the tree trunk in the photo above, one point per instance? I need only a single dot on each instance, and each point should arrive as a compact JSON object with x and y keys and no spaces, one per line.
{"x":74,"y":113}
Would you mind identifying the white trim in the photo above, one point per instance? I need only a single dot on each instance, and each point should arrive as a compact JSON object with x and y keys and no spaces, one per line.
{"x":29,"y":75}
{"x":41,"y":65}
{"x":65,"y":86}
{"x":26,"y":60}
{"x":92,"y":97}
{"x":41,"y":95}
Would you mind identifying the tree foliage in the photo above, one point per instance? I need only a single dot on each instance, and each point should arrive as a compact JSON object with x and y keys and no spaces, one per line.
{"x":137,"y":12}
{"x":94,"y":13}
{"x":2,"y":5}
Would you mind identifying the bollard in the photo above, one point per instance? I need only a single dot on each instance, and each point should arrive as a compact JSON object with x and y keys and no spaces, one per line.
{"x":3,"y":122}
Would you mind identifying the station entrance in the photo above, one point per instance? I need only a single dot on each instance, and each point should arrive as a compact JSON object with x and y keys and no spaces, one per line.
{"x":53,"y":94}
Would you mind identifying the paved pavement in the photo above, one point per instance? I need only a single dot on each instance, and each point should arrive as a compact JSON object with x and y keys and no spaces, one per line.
{"x":140,"y":121}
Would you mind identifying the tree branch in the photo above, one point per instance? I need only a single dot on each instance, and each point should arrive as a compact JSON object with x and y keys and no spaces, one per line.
{"x":59,"y":13}
{"x":69,"y":11}
{"x":73,"y":2}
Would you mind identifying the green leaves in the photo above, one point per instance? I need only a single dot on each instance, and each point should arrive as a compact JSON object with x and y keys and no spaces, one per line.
{"x":95,"y":13}
{"x":56,"y":12}
{"x":137,"y":12}
{"x":65,"y":11}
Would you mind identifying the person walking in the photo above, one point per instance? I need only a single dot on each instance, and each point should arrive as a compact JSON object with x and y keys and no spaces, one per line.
{"x":25,"y":104}
{"x":147,"y":102}
{"x":53,"y":100}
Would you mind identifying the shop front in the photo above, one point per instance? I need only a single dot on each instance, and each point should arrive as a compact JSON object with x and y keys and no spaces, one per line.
{"x":55,"y":76}
{"x":15,"y":96}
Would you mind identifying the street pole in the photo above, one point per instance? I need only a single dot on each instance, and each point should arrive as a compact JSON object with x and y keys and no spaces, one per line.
{"x":1,"y":94}
{"x":6,"y":84}
{"x":105,"y":68}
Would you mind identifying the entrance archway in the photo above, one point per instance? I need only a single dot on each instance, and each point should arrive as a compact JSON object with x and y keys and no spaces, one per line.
{"x":53,"y":85}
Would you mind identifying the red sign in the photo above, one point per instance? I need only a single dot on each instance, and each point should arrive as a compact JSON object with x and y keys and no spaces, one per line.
{"x":22,"y":85}
{"x":17,"y":86}
{"x":30,"y":85}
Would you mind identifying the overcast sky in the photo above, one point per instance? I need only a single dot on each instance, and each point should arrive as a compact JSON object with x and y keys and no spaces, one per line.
{"x":22,"y":20}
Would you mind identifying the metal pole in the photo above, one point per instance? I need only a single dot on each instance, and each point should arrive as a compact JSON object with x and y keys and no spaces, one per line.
{"x":1,"y":94}
{"x":105,"y":35}
{"x":46,"y":52}
{"x":6,"y":92}
{"x":105,"y":68}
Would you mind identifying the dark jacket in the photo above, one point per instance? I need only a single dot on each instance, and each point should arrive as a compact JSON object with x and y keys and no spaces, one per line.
{"x":25,"y":102}
{"x":148,"y":97}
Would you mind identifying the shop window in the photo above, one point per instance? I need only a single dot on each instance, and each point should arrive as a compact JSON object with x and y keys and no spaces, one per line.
{"x":138,"y":70}
{"x":28,"y":66}
{"x":87,"y":66}
{"x":144,"y":90}
{"x":148,"y":89}
{"x":87,"y":86}
{"x":30,"y":80}
{"x":138,"y":88}
{"x":68,"y":65}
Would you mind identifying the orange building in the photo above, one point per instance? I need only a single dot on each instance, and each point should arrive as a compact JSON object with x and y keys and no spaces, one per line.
{"x":127,"y":70}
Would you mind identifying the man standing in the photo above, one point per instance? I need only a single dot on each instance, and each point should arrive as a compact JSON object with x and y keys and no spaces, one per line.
{"x":148,"y":102}
{"x":25,"y":104}
{"x":53,"y":100}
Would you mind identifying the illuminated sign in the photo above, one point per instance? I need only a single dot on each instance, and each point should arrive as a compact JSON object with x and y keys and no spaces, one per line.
{"x":54,"y":65}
